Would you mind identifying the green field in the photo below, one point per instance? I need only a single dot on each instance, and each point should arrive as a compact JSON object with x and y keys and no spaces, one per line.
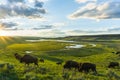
{"x":54,"y":51}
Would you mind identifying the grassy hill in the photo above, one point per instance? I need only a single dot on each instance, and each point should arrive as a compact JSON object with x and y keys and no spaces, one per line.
{"x":93,"y":38}
{"x":54,"y":51}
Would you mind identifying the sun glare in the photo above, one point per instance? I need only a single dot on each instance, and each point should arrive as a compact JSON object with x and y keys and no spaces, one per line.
{"x":4,"y":37}
{"x":3,"y":33}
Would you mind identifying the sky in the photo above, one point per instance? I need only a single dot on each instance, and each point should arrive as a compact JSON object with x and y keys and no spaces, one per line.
{"x":59,"y":18}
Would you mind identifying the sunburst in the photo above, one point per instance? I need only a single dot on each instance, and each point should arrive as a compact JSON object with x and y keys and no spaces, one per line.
{"x":2,"y":33}
{"x":4,"y":37}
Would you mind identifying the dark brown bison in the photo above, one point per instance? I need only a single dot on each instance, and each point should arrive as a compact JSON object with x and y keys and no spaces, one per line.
{"x":71,"y":64}
{"x":118,"y":52}
{"x":41,"y":60}
{"x":86,"y":67}
{"x":27,"y":59}
{"x":17,"y":56}
{"x":113,"y":52}
{"x":113,"y":64}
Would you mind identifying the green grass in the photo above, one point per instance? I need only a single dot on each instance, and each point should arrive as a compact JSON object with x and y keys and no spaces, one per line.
{"x":38,"y":46}
{"x":52,"y":52}
{"x":50,"y":71}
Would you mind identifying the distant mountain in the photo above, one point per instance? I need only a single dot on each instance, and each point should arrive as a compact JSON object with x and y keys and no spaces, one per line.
{"x":108,"y":37}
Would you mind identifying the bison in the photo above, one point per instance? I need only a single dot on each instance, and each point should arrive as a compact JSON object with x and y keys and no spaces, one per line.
{"x":41,"y":60}
{"x":113,"y":64}
{"x":71,"y":64}
{"x":118,"y":52}
{"x":17,"y":56}
{"x":86,"y":67}
{"x":27,"y":59}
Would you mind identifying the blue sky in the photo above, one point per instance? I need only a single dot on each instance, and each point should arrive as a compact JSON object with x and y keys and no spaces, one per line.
{"x":58,"y":18}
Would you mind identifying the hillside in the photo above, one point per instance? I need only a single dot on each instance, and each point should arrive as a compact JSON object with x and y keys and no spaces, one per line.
{"x":93,"y":37}
{"x":95,"y":49}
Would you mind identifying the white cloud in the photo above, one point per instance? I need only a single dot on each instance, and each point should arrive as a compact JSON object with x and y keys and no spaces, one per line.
{"x":59,"y":24}
{"x":44,"y":0}
{"x":52,"y":33}
{"x":23,"y":8}
{"x":112,"y":30}
{"x":8,"y":26}
{"x":43,"y":27}
{"x":49,"y":26}
{"x":59,"y":33}
{"x":107,"y":10}
{"x":39,"y":33}
{"x":84,"y":1}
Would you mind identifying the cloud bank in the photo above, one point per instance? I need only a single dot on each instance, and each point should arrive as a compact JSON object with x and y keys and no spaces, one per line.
{"x":42,"y":27}
{"x":8,"y":26}
{"x":97,"y":10}
{"x":23,"y":8}
{"x":115,"y":30}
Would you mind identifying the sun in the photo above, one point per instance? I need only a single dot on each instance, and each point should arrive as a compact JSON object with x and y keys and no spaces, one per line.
{"x":3,"y":33}
{"x":4,"y":37}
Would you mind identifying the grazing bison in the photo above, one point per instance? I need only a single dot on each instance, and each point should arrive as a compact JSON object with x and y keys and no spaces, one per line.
{"x":86,"y":67}
{"x":41,"y":60}
{"x":113,"y":52}
{"x":118,"y":52}
{"x":71,"y":64}
{"x":27,"y":59}
{"x":113,"y":64}
{"x":17,"y":56}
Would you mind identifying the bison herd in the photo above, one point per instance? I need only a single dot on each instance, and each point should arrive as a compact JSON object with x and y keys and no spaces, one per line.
{"x":113,"y":64}
{"x":70,"y":64}
{"x":81,"y":67}
{"x":117,"y":53}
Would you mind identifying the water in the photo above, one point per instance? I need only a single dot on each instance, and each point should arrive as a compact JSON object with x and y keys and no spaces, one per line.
{"x":28,"y":52}
{"x":48,"y":40}
{"x":75,"y":46}
{"x":68,"y":47}
{"x":93,"y":45}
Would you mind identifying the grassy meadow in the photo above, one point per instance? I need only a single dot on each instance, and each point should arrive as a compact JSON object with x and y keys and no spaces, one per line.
{"x":53,"y":51}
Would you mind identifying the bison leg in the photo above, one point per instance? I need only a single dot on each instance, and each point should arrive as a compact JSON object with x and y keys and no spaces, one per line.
{"x":36,"y":64}
{"x":80,"y":70}
{"x":64,"y":70}
{"x":86,"y":71}
{"x":27,"y":64}
{"x":94,"y":70}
